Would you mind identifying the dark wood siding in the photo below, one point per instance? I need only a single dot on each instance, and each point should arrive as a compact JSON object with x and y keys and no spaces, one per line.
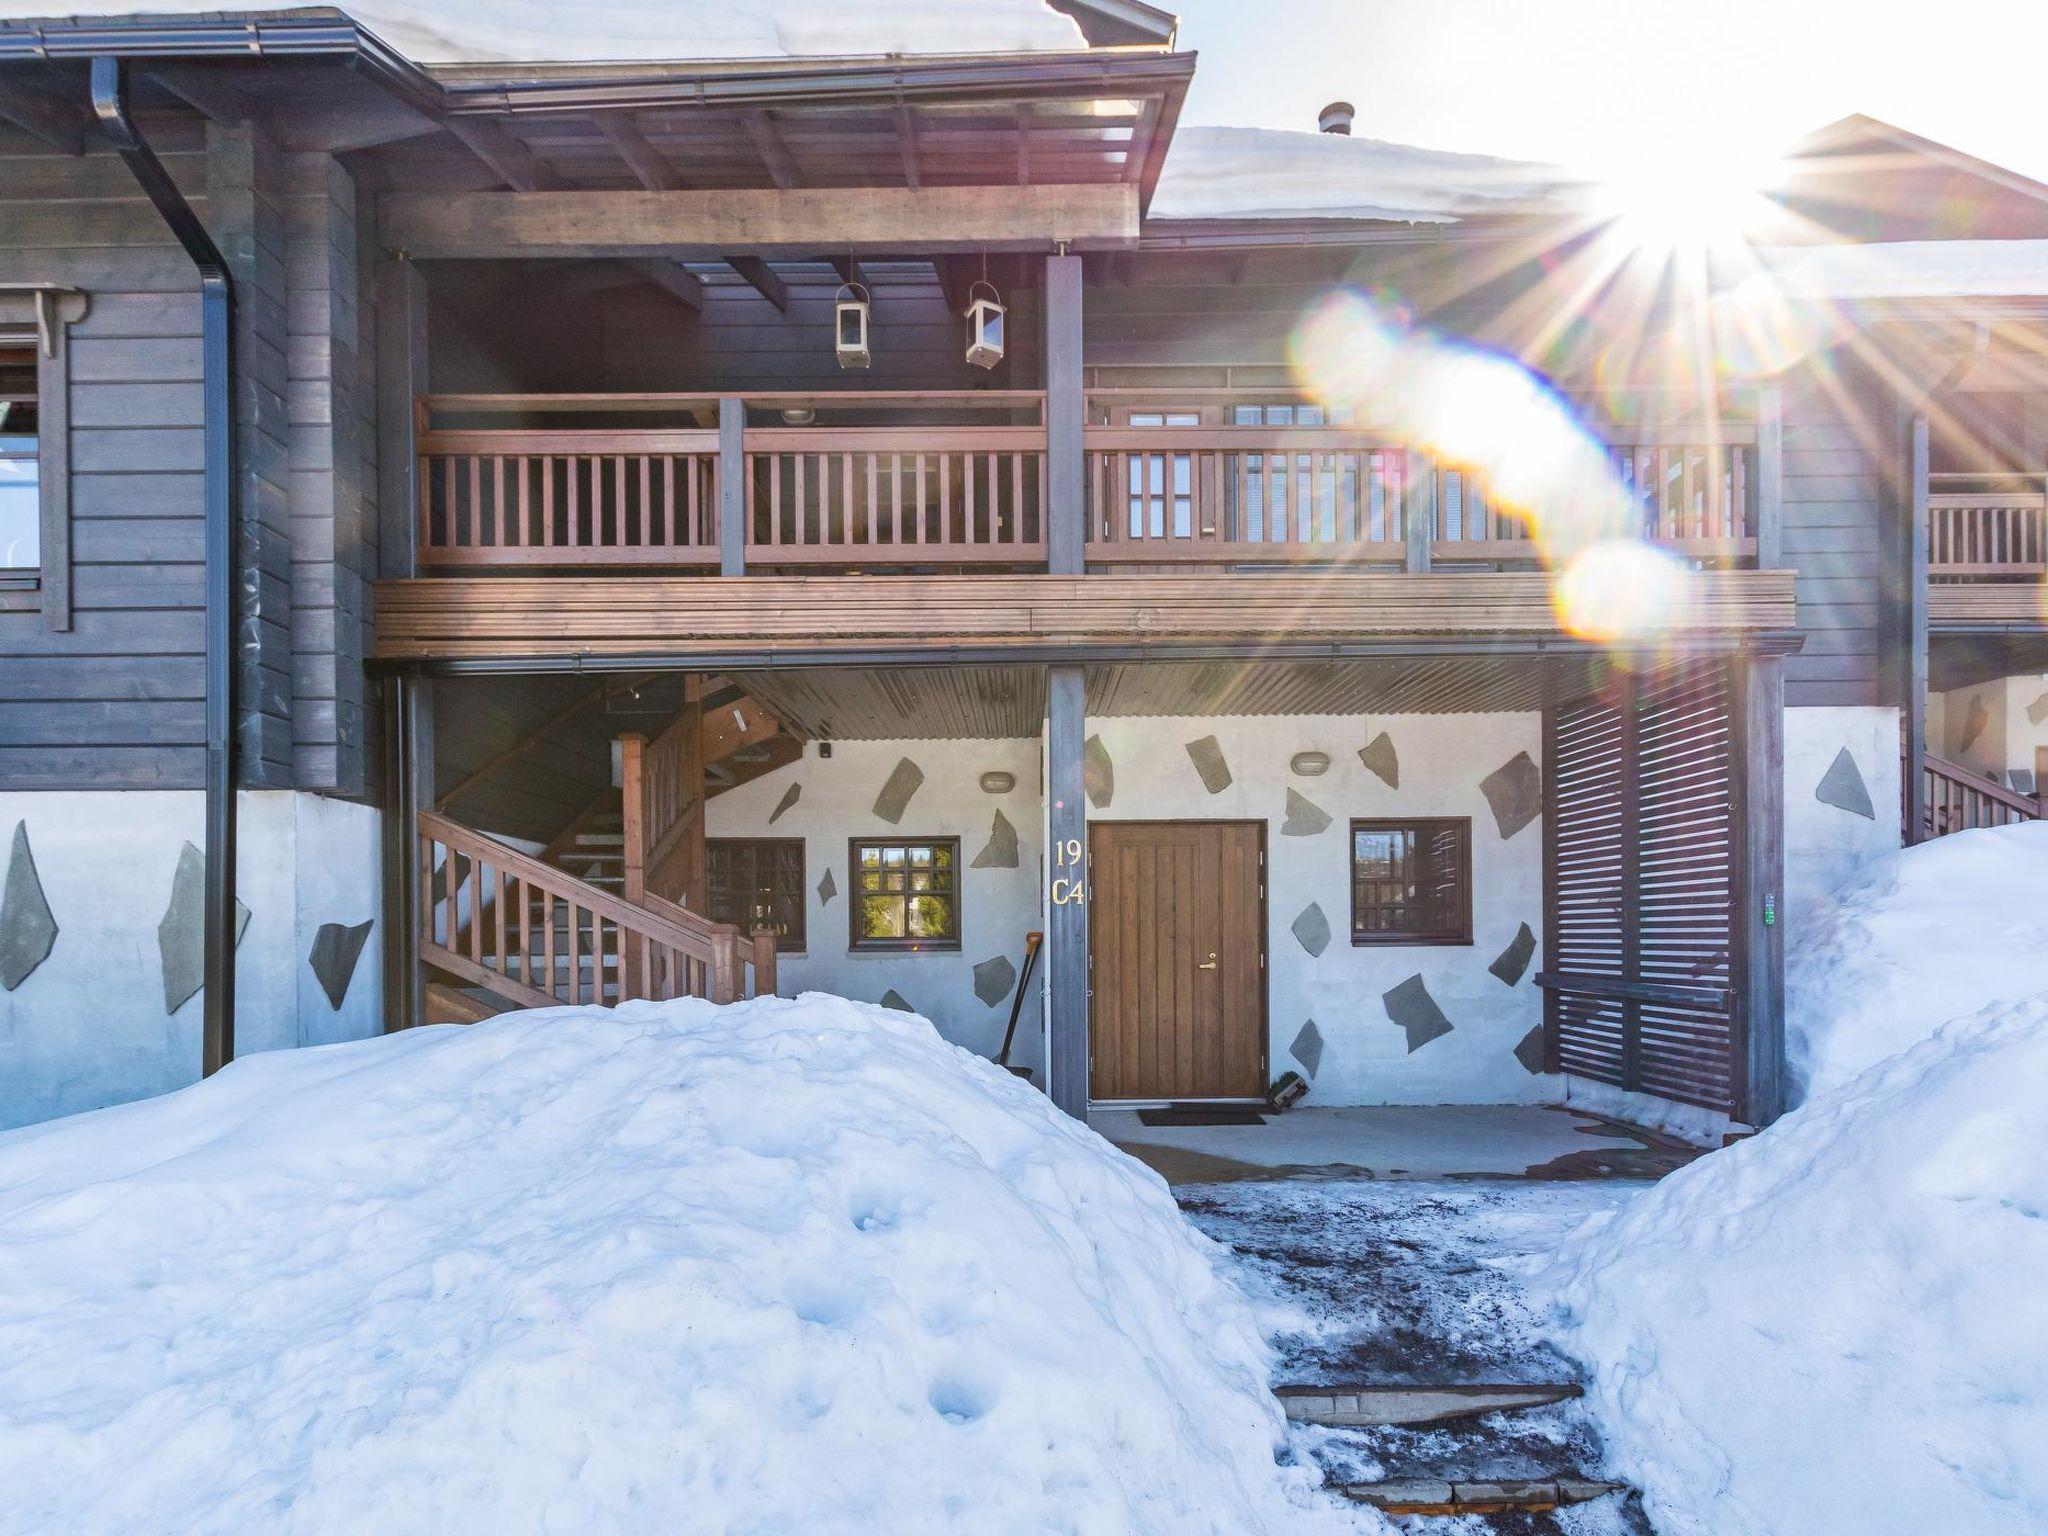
{"x":1839,"y":539}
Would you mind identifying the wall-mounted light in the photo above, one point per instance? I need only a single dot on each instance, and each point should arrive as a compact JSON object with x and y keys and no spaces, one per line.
{"x":850,"y":326}
{"x":984,"y":325}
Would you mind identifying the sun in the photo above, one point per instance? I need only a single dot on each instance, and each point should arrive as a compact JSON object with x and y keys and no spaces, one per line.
{"x":1670,"y":199}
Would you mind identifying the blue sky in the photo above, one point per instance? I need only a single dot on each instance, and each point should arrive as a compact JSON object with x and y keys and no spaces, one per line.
{"x":1587,"y":81}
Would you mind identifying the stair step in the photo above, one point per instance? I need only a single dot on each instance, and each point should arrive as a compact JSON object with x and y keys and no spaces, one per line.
{"x":1361,"y":1406}
{"x":460,"y":1005}
{"x":1477,"y":1496}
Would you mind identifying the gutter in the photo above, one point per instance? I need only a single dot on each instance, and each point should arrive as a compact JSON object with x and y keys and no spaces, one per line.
{"x":216,"y":290}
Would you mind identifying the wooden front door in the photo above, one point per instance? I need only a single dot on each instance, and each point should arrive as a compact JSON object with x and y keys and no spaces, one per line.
{"x":1176,"y":934}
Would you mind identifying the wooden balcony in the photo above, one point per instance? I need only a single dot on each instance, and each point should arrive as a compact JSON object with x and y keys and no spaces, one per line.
{"x":1987,"y":551}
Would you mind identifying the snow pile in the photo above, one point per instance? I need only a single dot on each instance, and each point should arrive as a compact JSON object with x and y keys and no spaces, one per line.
{"x":1935,"y":932}
{"x":1840,"y":1327}
{"x":779,"y":1267}
{"x":1911,"y":269}
{"x":497,"y":31}
{"x":1243,"y":173}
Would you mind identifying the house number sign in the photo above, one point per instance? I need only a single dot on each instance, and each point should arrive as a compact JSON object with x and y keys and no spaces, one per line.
{"x":1069,"y":890}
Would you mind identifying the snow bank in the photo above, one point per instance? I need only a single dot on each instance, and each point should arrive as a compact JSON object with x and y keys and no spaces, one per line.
{"x":1912,"y":269}
{"x":1935,"y":932}
{"x":1840,"y":1327}
{"x":1242,"y":173}
{"x":779,"y":1267}
{"x":496,"y":31}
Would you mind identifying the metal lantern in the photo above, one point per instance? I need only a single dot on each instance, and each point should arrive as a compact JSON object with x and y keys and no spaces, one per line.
{"x":850,"y":326}
{"x":984,"y":326}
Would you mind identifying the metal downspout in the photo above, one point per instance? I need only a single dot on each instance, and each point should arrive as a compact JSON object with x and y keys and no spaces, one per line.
{"x":216,"y":290}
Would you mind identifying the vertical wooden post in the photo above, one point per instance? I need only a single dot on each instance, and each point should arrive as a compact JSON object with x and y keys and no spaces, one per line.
{"x":53,"y":447}
{"x":1418,"y":508}
{"x":1066,"y":875}
{"x":1760,"y":681}
{"x":633,"y":829}
{"x":401,"y":381}
{"x":1770,"y":478}
{"x":732,"y":486}
{"x":764,"y":962}
{"x":1066,"y":420}
{"x":1915,"y":701}
{"x":409,"y":791}
{"x":725,"y":967}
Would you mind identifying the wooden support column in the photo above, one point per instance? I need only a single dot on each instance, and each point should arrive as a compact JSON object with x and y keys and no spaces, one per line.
{"x":1770,"y":478}
{"x":1915,"y":702}
{"x":1418,"y":508}
{"x":732,"y":486}
{"x":1066,"y":876}
{"x":1066,"y":420}
{"x":1760,"y":928}
{"x":632,"y":847}
{"x":401,"y":380}
{"x":409,"y":777}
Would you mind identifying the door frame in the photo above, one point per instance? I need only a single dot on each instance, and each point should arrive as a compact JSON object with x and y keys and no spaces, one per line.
{"x":1259,"y":826}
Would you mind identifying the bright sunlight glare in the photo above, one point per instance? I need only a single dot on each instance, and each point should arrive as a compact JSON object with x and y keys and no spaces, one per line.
{"x":1665,"y":197}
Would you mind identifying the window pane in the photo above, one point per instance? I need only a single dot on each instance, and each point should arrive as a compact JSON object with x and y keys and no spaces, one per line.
{"x":908,"y":893}
{"x":1408,"y":882}
{"x":881,"y":917}
{"x":21,"y":523}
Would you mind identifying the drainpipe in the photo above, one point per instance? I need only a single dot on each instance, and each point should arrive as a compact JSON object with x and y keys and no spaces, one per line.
{"x":216,"y":314}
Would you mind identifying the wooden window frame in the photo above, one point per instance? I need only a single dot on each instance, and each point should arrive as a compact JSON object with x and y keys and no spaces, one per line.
{"x":857,"y":943}
{"x":795,"y":943}
{"x":1422,"y":826}
{"x":41,"y":317}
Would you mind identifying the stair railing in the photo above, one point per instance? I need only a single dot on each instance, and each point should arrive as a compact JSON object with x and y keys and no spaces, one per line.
{"x":536,"y":936}
{"x":1960,"y":799}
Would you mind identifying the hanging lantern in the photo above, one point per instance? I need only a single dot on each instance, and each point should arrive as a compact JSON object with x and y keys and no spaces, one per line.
{"x":850,"y":326}
{"x":984,"y":326}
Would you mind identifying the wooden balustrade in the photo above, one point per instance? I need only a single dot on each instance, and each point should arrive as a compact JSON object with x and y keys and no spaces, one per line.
{"x":662,"y":804}
{"x":524,"y":930}
{"x":1987,"y":526}
{"x":1960,"y":799}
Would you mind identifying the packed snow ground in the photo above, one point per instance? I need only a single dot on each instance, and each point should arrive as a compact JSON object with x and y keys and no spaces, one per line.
{"x":788,"y":1266}
{"x":1840,"y":1326}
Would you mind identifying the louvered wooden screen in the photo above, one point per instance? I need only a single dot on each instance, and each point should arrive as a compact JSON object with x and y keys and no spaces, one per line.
{"x":1641,"y":887}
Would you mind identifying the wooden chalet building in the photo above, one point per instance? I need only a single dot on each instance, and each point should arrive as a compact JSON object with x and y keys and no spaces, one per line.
{"x":594,"y":517}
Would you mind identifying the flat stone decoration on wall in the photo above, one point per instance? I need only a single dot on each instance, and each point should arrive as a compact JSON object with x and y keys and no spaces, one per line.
{"x":181,"y":936}
{"x":1514,"y":960}
{"x":336,"y":949}
{"x":1304,"y":817}
{"x":2038,"y":710}
{"x":1530,"y":1052}
{"x":894,"y":799}
{"x":1410,"y":1006}
{"x":1312,"y":928}
{"x":1842,"y":787}
{"x":790,"y":796}
{"x":28,"y":929}
{"x":993,"y":980}
{"x":894,"y":999}
{"x":1308,"y":1049}
{"x":1379,"y":755}
{"x":1207,"y":755}
{"x":1001,"y":852}
{"x":1098,"y":773}
{"x":827,"y":888}
{"x":1974,"y":721}
{"x":1515,"y":791}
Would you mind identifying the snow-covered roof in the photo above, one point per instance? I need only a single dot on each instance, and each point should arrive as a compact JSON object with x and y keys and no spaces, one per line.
{"x":1254,"y":173}
{"x":591,"y":31}
{"x":1915,"y":269}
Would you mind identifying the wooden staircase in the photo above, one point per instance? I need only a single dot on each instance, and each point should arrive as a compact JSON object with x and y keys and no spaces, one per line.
{"x":1961,"y":799}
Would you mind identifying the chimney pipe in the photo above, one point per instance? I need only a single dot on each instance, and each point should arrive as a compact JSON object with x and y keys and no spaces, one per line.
{"x":1336,"y":118}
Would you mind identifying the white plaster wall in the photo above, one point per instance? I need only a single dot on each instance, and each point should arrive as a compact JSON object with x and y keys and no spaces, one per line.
{"x":1827,"y":849}
{"x":2005,"y":748}
{"x":87,"y":1028}
{"x":998,"y":906}
{"x":1443,"y":758}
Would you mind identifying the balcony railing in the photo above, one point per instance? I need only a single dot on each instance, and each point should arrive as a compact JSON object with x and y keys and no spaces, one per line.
{"x":1987,"y":526}
{"x":951,"y":479}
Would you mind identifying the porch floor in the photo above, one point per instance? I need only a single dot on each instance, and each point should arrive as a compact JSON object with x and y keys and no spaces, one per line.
{"x":1434,"y":1141}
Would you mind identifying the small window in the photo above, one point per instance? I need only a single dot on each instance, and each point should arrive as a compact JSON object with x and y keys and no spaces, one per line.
{"x":21,"y":522}
{"x":757,"y":882}
{"x":1411,"y":881}
{"x":906,"y":893}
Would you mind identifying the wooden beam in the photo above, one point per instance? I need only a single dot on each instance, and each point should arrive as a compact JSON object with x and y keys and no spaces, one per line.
{"x":908,"y":145}
{"x":205,"y":92}
{"x":956,"y":275}
{"x":849,"y":270}
{"x":1770,"y":477}
{"x":646,"y":163}
{"x":1066,"y":874}
{"x":742,"y":723}
{"x":516,"y":165}
{"x":774,"y":152}
{"x":933,"y":220}
{"x":45,"y":115}
{"x":409,"y":765}
{"x":1066,"y":420}
{"x":672,"y":277}
{"x":762,"y":279}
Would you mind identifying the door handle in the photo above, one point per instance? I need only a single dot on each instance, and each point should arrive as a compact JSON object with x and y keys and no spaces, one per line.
{"x":1208,"y":964}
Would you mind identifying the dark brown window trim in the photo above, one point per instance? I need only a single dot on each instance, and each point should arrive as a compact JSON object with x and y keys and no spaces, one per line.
{"x":856,"y":944}
{"x":1413,"y":938}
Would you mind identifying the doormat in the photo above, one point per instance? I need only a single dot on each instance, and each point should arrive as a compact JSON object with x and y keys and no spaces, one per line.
{"x":1200,"y":1114}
